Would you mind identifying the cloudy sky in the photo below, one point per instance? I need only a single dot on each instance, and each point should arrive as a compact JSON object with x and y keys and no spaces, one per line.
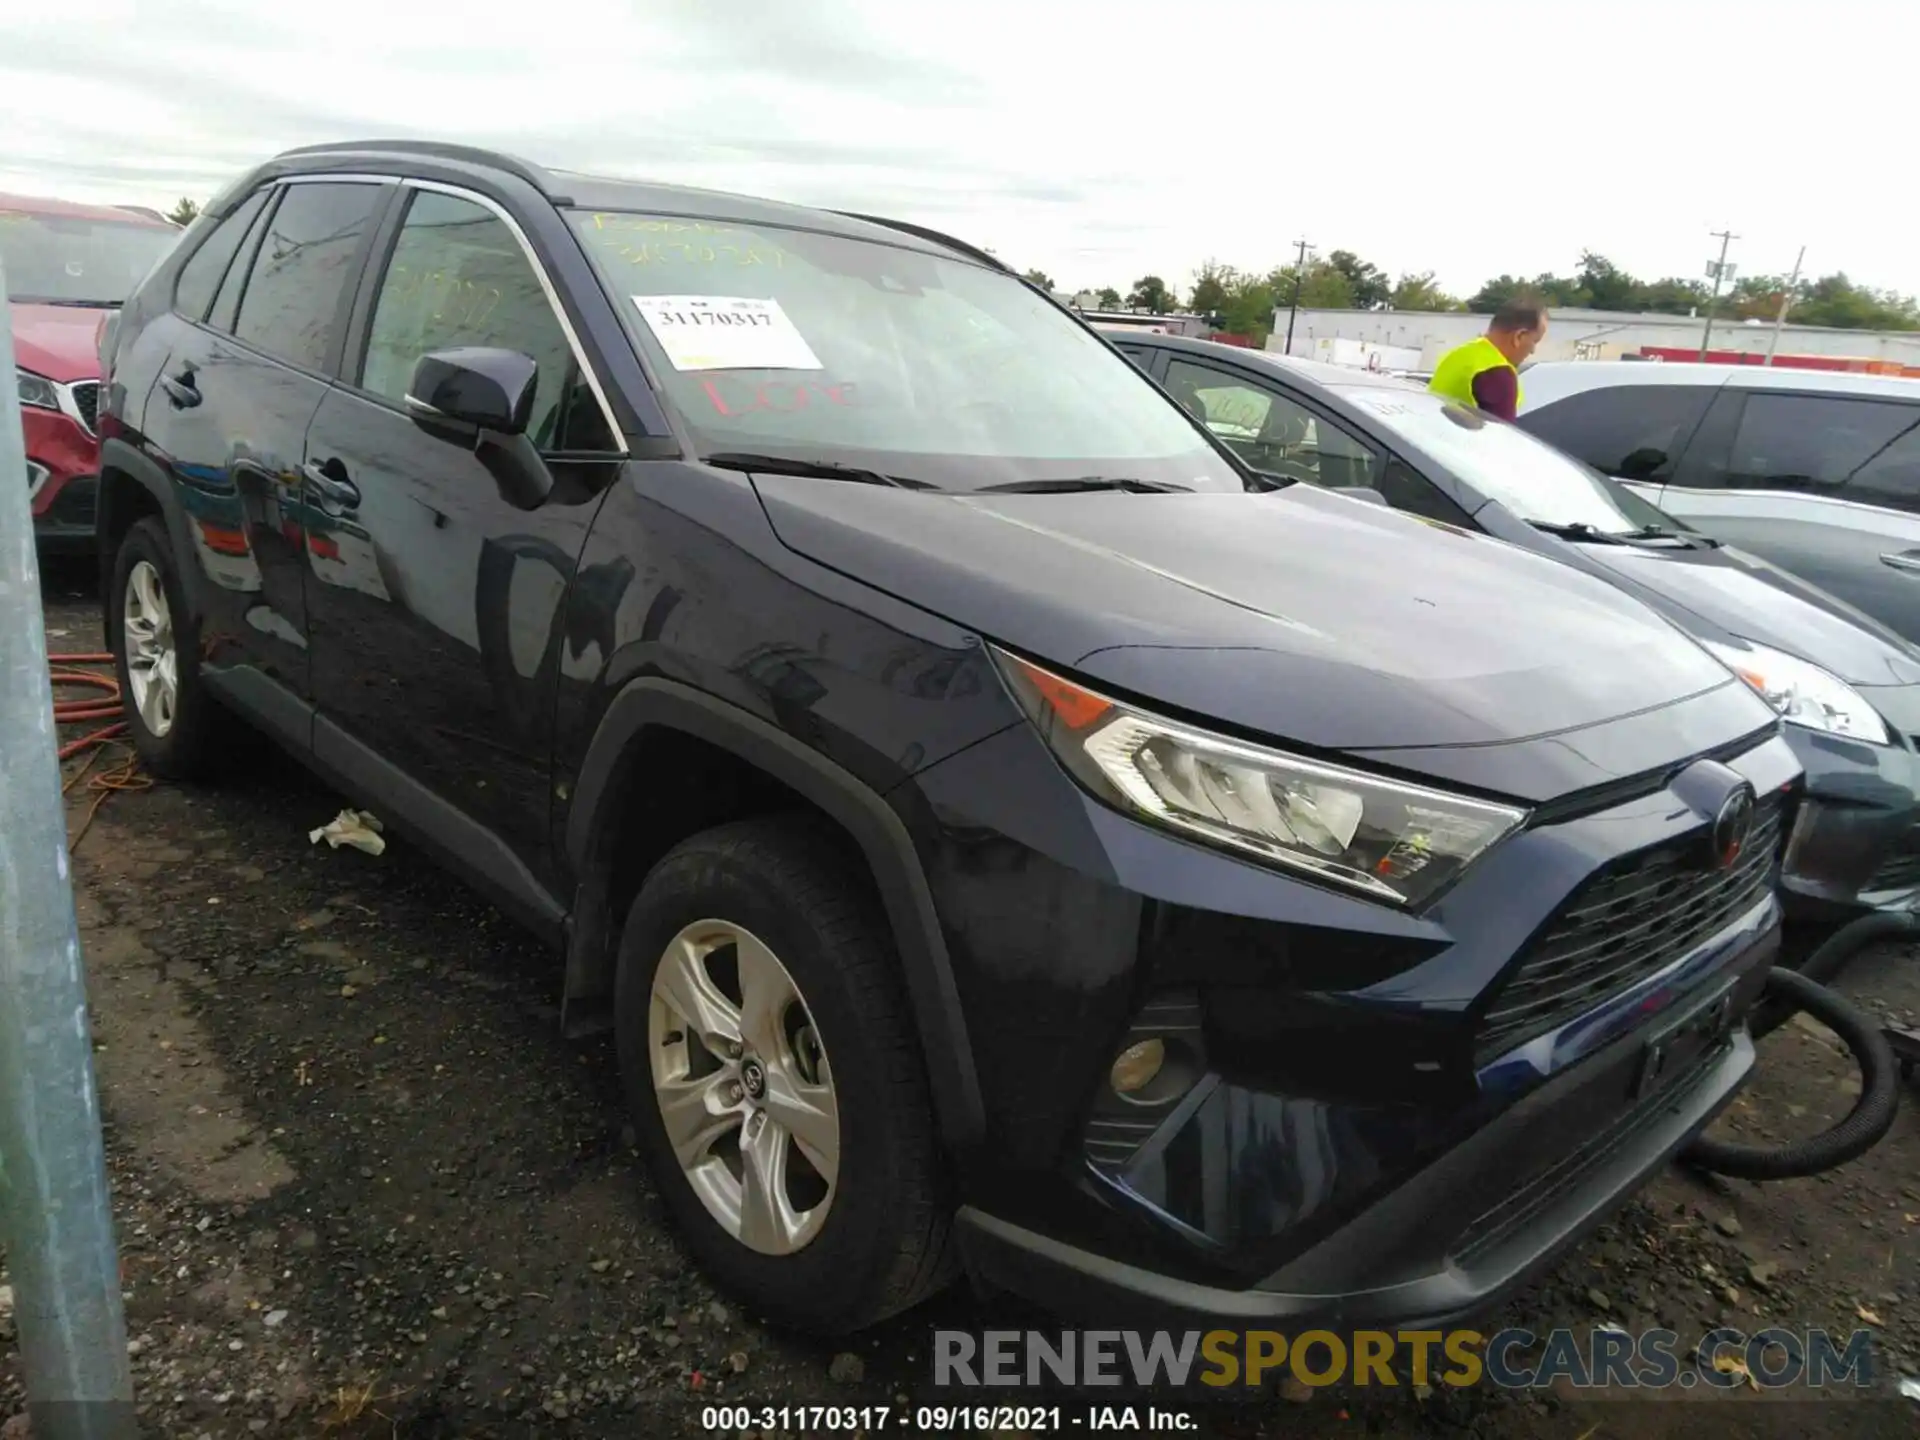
{"x":1097,"y":141}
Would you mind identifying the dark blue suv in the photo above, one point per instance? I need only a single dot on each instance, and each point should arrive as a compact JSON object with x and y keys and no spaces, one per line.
{"x":1000,"y":829}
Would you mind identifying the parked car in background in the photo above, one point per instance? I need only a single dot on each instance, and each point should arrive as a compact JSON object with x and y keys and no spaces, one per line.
{"x":67,"y":266}
{"x":1848,"y":686}
{"x":1816,"y":471}
{"x":996,"y":829}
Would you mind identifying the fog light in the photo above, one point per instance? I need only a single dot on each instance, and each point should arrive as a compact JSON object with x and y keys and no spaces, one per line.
{"x":1137,"y":1065}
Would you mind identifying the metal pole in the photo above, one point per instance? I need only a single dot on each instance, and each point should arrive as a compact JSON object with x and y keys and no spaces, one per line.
{"x":53,"y":1172}
{"x":1786,"y":303}
{"x":1726,"y":237}
{"x":1299,"y":279}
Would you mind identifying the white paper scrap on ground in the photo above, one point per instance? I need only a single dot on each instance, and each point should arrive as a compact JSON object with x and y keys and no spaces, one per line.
{"x":350,"y":827}
{"x":715,"y":332}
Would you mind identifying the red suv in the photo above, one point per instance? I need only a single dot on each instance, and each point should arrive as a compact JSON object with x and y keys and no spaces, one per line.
{"x":67,"y":267}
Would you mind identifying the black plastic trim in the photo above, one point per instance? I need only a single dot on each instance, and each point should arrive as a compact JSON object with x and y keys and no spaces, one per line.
{"x":880,"y":833}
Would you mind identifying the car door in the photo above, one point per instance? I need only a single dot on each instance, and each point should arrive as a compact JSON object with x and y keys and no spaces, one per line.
{"x":434,"y":604}
{"x":1804,"y":479}
{"x":229,"y":414}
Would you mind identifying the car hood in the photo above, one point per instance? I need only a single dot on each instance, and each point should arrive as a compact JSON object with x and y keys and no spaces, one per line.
{"x":57,"y":341}
{"x":1302,"y":615}
{"x":1742,"y":595}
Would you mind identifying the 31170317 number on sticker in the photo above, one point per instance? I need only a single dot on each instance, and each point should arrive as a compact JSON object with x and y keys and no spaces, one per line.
{"x":714,"y":332}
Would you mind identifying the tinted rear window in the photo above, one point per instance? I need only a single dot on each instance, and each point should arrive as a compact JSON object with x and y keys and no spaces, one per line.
{"x":1811,"y":441}
{"x":302,"y":269}
{"x":205,"y":268}
{"x":1633,"y":431}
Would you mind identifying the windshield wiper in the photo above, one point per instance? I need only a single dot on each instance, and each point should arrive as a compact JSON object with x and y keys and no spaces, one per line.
{"x":813,"y":469}
{"x":1663,"y":532}
{"x":1580,"y":530}
{"x":1072,"y":483}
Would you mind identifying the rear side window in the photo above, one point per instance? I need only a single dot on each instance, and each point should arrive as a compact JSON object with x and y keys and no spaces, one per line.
{"x":301,"y":272}
{"x":1892,"y":477}
{"x":1634,"y":431}
{"x":1799,"y":442}
{"x":201,"y":275}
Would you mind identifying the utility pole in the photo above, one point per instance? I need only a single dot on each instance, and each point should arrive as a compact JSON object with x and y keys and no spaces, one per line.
{"x":1786,"y":303}
{"x":1721,"y":272}
{"x":58,"y":1222}
{"x":1299,"y":279}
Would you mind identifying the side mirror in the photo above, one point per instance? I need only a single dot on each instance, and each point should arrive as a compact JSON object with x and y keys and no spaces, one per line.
{"x":1362,"y":492}
{"x":482,"y":399}
{"x":475,"y":386}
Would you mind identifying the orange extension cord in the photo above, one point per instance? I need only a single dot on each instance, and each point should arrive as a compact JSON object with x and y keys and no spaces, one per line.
{"x":124,"y":772}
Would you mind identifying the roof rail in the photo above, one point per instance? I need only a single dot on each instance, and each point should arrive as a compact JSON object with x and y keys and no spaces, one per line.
{"x":534,"y":175}
{"x":924,"y":233}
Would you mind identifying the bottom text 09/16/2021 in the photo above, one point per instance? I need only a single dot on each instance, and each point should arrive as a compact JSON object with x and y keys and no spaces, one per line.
{"x":818,"y":1420}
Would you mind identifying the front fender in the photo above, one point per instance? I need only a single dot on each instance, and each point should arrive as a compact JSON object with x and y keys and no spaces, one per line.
{"x":878,"y":831}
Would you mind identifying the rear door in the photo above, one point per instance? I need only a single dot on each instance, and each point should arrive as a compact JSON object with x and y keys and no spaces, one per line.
{"x":229,"y":414}
{"x":435,"y":606}
{"x":1823,"y":485}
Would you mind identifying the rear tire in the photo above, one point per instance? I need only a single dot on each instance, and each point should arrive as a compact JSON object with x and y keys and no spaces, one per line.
{"x":741,"y":924}
{"x":178,"y":728}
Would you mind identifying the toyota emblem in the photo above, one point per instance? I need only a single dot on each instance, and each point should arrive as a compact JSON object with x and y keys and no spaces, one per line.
{"x":1732,"y":827}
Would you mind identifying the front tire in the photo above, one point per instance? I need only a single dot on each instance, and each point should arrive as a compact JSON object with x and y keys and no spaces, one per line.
{"x":175,"y":725}
{"x":775,"y":1082}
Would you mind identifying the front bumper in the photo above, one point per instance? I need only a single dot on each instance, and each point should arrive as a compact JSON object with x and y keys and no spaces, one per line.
{"x":1362,"y":1091}
{"x":63,"y":461}
{"x":1855,"y":844}
{"x":1449,"y":1244}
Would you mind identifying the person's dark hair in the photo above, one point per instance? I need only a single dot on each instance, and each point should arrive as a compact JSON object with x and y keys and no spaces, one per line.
{"x":1519,"y":316}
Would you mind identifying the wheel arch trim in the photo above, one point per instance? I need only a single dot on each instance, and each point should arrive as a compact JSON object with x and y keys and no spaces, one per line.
{"x":875,"y":827}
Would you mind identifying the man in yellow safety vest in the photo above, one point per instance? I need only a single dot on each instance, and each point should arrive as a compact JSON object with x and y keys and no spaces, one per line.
{"x":1485,"y":372}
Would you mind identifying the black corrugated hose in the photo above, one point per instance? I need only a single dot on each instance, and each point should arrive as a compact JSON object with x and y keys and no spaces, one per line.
{"x":1788,"y":992}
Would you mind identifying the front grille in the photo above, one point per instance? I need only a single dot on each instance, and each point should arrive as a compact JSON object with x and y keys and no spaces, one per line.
{"x":1631,"y":920}
{"x":86,"y":399}
{"x":75,"y":505}
{"x":1901,"y":870}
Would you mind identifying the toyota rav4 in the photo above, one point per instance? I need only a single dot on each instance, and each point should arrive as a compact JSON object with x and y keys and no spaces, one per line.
{"x":998,"y":837}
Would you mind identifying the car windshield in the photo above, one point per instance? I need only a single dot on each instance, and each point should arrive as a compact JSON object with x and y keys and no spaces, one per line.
{"x":1505,"y":463}
{"x":808,"y":346}
{"x":77,"y":260}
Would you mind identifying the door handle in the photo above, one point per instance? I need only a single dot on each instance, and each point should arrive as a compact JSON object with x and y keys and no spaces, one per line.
{"x":181,"y":390}
{"x":1902,"y":559}
{"x":331,"y":483}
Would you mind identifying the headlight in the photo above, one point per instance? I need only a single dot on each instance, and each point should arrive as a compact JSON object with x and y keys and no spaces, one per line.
{"x":37,"y":390}
{"x":1804,"y":694}
{"x":1387,"y":839}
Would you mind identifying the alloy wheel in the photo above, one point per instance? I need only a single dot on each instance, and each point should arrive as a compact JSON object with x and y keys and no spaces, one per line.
{"x":153,"y":665}
{"x":745,"y":1092}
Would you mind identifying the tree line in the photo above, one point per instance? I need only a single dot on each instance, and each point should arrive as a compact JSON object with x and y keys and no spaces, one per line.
{"x":1243,"y":301}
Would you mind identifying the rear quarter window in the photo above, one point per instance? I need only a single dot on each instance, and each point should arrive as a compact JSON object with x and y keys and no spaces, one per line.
{"x":1633,"y":431}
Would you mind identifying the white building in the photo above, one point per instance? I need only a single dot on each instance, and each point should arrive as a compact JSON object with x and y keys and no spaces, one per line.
{"x":1578,"y":335}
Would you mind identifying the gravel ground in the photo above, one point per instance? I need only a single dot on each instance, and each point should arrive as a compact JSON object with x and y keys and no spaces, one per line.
{"x":364,"y":1188}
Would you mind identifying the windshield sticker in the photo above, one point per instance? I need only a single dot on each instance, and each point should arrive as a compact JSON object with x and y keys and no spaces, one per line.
{"x":709,"y":332}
